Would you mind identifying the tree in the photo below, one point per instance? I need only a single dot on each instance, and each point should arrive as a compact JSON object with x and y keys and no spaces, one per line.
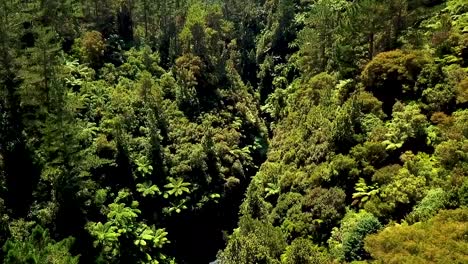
{"x":303,"y":251}
{"x":435,"y":200}
{"x":368,"y":18}
{"x":61,"y":15}
{"x":254,"y":242}
{"x":391,"y":75}
{"x":40,"y":68}
{"x":100,"y":15}
{"x":318,"y":41}
{"x":347,"y":241}
{"x":9,"y":34}
{"x":39,"y":248}
{"x":353,"y":241}
{"x":363,"y":192}
{"x":326,"y":206}
{"x":123,"y":237}
{"x":92,"y":48}
{"x":438,"y":240}
{"x":189,"y":70}
{"x":272,"y":45}
{"x":407,"y":123}
{"x":176,"y":187}
{"x":13,"y":152}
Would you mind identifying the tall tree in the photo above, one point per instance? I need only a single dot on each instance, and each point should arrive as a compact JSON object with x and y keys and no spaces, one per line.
{"x":146,"y":16}
{"x":16,"y":161}
{"x":318,"y":41}
{"x":368,"y":18}
{"x":100,"y":15}
{"x":39,"y":68}
{"x":61,"y":15}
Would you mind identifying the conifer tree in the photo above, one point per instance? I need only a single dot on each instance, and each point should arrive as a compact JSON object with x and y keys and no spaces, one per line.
{"x":39,"y":69}
{"x":16,"y":166}
{"x":147,"y":14}
{"x":9,"y":35}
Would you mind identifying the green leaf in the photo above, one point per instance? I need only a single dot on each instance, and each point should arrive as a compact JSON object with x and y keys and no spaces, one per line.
{"x":176,"y":187}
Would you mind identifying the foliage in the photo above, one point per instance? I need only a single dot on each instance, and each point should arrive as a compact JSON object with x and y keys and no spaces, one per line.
{"x":392,"y":75}
{"x":353,"y":240}
{"x":254,"y":242}
{"x":347,"y":241}
{"x":407,"y":122}
{"x":38,"y":247}
{"x":93,"y":47}
{"x":126,"y":124}
{"x":440,"y":239}
{"x":122,"y":235}
{"x":304,"y":251}
{"x":363,"y":192}
{"x":176,"y":187}
{"x":318,"y":41}
{"x":434,"y":200}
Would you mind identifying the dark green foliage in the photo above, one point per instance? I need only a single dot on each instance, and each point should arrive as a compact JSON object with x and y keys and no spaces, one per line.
{"x":391,"y":75}
{"x":463,"y":194}
{"x":347,"y":242}
{"x":303,"y":251}
{"x":326,"y":206}
{"x":435,"y":200}
{"x":37,"y":247}
{"x":254,"y":242}
{"x":353,"y":241}
{"x":319,"y":42}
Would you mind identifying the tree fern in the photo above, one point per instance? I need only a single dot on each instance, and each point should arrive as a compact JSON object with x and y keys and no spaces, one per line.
{"x":176,"y":187}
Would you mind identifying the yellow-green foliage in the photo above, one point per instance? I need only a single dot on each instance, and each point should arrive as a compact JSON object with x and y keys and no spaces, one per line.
{"x":395,"y":67}
{"x":92,"y":47}
{"x":441,"y":239}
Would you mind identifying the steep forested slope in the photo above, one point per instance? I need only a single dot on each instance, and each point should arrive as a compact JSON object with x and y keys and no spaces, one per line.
{"x":370,"y":134}
{"x":326,"y":131}
{"x":126,"y":126}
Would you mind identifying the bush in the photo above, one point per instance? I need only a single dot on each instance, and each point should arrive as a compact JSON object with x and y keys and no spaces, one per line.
{"x":385,"y":175}
{"x":463,"y":194}
{"x":38,"y":248}
{"x":254,"y":242}
{"x":391,"y":75}
{"x":442,"y":239}
{"x":328,"y":205}
{"x":435,"y":200}
{"x":93,"y":47}
{"x":303,"y":251}
{"x":353,"y":240}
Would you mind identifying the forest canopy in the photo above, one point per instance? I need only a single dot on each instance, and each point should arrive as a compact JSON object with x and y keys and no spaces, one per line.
{"x":236,"y":131}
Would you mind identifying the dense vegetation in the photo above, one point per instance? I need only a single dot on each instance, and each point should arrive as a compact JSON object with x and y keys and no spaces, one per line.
{"x":247,"y":131}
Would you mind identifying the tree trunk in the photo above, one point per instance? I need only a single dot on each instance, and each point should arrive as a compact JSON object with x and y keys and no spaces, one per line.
{"x":371,"y":46}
